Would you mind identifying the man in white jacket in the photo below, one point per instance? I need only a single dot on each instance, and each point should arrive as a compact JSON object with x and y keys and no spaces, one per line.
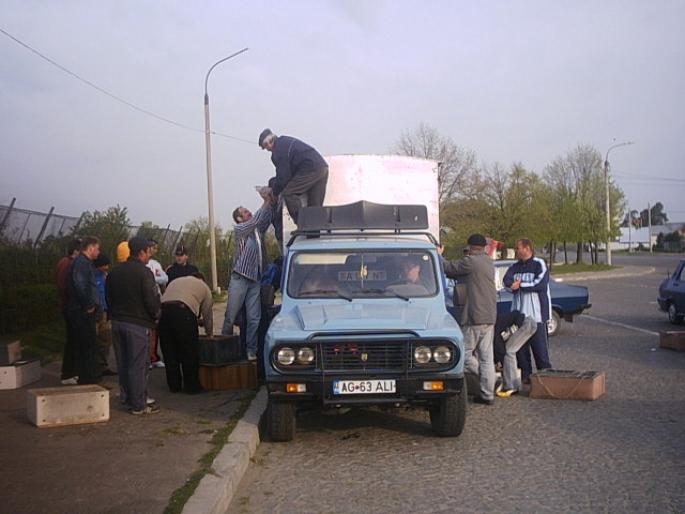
{"x":161,"y":279}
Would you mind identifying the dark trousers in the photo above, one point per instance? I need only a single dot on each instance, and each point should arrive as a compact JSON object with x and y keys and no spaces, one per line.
{"x":309,"y":185}
{"x":85,"y":346}
{"x":178,"y":336}
{"x":132,"y":350}
{"x":537,"y":343}
{"x":69,"y":364}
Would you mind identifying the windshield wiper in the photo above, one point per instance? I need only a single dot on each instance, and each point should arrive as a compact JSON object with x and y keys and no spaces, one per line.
{"x":327,"y":291}
{"x":383,"y":291}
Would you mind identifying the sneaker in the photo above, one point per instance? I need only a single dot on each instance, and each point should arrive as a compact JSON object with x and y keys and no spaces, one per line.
{"x":150,"y":401}
{"x":150,"y":409}
{"x":483,"y":401}
{"x":251,"y":356}
{"x":506,"y":393}
{"x":158,"y":364}
{"x":70,"y":381}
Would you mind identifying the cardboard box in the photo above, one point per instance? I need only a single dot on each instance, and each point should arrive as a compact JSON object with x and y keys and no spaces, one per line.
{"x":71,"y":405}
{"x":562,"y":384}
{"x":20,"y":374}
{"x":219,"y":350}
{"x":10,"y":353}
{"x":241,"y":375}
{"x":672,"y":340}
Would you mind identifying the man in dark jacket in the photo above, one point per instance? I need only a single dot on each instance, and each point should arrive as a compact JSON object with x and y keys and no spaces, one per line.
{"x":480,"y":313}
{"x":300,"y":171}
{"x":182,"y":266}
{"x":512,"y":331}
{"x":83,"y":311}
{"x":134,"y":304}
{"x":528,"y":279}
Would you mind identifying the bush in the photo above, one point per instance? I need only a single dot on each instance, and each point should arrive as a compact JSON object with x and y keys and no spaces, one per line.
{"x":26,"y":306}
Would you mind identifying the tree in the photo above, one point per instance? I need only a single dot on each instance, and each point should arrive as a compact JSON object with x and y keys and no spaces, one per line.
{"x":577,"y":182}
{"x":659,"y":217}
{"x":456,"y":165}
{"x":111,"y":227}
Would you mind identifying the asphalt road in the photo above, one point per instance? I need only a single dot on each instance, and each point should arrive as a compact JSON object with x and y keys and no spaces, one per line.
{"x":622,"y":453}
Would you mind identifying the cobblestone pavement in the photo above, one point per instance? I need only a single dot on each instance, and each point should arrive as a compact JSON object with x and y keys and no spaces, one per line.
{"x":622,"y":453}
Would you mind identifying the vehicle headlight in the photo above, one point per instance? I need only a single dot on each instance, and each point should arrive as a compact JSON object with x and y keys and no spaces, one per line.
{"x":286,"y":356}
{"x":422,"y":355}
{"x":305,"y":355}
{"x":442,"y":354}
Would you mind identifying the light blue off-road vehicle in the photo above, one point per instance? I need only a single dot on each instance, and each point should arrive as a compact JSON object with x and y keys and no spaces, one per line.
{"x":363,"y":320}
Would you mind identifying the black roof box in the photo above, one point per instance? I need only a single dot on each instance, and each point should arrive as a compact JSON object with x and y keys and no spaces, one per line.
{"x":362,"y":215}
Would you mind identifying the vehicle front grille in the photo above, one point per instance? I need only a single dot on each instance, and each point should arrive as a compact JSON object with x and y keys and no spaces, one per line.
{"x":392,"y":356}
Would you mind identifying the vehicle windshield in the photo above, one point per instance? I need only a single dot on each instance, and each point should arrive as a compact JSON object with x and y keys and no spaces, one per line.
{"x":359,"y":274}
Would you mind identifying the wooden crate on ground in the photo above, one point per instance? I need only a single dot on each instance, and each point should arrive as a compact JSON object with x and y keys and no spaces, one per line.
{"x":672,"y":340}
{"x":71,"y":405}
{"x":240,"y":375}
{"x":218,"y":350}
{"x":10,"y":353}
{"x":562,"y":384}
{"x":20,"y":374}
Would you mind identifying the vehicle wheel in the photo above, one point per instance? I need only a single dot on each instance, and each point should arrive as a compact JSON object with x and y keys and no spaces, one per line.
{"x":449,"y":414}
{"x":673,"y":315}
{"x":553,"y":324}
{"x":280,"y":421}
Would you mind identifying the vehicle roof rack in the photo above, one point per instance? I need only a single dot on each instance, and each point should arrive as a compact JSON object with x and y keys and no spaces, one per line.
{"x":360,"y":218}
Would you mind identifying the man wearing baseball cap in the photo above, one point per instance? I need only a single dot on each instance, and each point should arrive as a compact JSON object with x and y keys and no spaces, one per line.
{"x":181,"y":268}
{"x":301,"y":172}
{"x":477,"y":272}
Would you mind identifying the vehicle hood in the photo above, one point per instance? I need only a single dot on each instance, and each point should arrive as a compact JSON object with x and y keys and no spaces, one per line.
{"x":359,"y":316}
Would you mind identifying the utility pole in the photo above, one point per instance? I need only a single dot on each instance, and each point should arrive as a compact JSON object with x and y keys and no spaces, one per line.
{"x":649,"y":224}
{"x":606,"y":203}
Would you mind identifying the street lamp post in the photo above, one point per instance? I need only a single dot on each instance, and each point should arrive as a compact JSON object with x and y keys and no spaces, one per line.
{"x":210,"y":192}
{"x":606,"y":203}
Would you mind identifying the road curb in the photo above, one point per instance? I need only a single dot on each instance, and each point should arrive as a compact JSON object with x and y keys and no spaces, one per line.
{"x":216,"y":489}
{"x":602,"y":275}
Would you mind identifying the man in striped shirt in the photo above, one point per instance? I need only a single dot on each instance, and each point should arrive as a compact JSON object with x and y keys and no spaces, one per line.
{"x":249,"y":263}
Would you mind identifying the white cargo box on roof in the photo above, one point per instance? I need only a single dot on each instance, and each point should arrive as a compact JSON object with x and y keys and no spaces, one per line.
{"x":384,"y":179}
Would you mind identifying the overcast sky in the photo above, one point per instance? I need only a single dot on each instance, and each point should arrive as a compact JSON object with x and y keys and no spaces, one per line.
{"x":513,"y":81}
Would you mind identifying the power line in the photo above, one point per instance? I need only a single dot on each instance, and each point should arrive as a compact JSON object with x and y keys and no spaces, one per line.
{"x":639,"y":177}
{"x":115,"y":97}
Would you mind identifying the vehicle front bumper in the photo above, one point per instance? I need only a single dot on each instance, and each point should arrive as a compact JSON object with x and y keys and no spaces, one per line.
{"x":408,"y":389}
{"x":568,"y":315}
{"x":663,"y":303}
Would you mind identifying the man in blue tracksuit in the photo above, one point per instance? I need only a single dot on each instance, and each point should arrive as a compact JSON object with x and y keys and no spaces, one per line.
{"x":528,"y":279}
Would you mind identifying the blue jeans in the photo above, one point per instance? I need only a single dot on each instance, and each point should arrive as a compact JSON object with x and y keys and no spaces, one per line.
{"x":132,"y":349}
{"x":241,"y":291}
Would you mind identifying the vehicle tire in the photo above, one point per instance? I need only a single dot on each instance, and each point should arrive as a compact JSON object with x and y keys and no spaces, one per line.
{"x":553,"y":324}
{"x":673,"y":315}
{"x":280,"y":421}
{"x":449,"y":415}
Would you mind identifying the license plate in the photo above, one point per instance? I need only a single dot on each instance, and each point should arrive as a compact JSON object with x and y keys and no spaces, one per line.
{"x":363,"y":386}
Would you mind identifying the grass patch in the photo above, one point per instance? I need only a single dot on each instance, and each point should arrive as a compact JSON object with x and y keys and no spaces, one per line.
{"x":45,"y":342}
{"x":562,"y":269}
{"x":181,"y":495}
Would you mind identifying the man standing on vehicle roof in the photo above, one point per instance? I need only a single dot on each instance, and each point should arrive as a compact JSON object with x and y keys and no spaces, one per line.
{"x":300,"y":171}
{"x":528,"y":279}
{"x":477,"y":271}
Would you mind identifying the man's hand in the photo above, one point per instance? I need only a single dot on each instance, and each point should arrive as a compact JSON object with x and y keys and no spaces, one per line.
{"x":441,"y":249}
{"x":516,"y":285}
